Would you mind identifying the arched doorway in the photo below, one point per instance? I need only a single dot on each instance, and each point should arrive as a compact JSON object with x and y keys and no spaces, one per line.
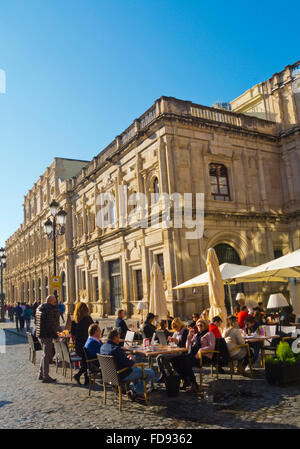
{"x":227,"y":254}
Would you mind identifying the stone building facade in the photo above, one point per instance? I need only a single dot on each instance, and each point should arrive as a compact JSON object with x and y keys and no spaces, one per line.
{"x":246,"y":164}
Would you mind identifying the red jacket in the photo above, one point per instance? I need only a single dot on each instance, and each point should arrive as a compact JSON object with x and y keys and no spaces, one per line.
{"x":241,"y":318}
{"x":215,"y":330}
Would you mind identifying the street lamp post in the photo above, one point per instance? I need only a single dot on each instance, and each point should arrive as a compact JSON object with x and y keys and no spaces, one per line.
{"x":54,"y":228}
{"x":2,"y":266}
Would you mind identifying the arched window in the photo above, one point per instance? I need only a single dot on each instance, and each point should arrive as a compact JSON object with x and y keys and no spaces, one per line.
{"x":156,"y":190}
{"x":227,"y":254}
{"x":63,"y":287}
{"x":219,"y":182}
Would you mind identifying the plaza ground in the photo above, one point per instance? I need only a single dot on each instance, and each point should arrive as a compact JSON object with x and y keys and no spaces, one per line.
{"x":242,"y":403}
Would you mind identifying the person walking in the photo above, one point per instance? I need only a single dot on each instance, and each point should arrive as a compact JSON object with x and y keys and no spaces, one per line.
{"x":46,"y":330}
{"x":62,"y":310}
{"x":79,"y":329}
{"x":27,"y":317}
{"x":22,"y":306}
{"x":18,"y":312}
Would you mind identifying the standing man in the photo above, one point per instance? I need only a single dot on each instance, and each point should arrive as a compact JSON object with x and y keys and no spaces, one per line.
{"x":46,"y":330}
{"x":22,"y":306}
{"x":18,"y":312}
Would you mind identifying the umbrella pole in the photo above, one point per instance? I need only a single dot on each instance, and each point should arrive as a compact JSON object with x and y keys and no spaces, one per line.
{"x":230,"y":298}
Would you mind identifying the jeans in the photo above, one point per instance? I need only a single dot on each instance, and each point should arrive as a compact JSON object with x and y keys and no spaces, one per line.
{"x":136,"y":376}
{"x":47,"y":355}
{"x":256,"y":347}
{"x":27,"y":325}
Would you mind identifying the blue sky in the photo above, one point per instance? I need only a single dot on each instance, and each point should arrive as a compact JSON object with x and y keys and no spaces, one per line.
{"x":78,"y":72}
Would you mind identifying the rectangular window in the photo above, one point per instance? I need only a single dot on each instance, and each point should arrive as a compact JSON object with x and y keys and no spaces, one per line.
{"x":219,"y":184}
{"x":139,"y":284}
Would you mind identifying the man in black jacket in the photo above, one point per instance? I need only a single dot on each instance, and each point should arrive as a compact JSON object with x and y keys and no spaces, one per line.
{"x":123,"y":362}
{"x":121,"y":324}
{"x":46,"y":330}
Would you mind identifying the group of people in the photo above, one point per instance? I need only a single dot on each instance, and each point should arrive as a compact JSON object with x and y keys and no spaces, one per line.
{"x":23,"y":313}
{"x":198,"y":336}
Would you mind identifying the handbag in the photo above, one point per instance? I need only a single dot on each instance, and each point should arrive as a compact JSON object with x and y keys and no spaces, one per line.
{"x":172,"y":382}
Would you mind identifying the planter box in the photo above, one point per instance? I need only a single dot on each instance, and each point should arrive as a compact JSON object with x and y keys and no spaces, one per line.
{"x":283,"y":374}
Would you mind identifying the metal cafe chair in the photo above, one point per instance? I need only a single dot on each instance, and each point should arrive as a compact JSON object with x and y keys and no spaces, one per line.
{"x":93,"y":371}
{"x":32,"y":348}
{"x":111,"y":376}
{"x":68,"y":359}
{"x":59,"y":357}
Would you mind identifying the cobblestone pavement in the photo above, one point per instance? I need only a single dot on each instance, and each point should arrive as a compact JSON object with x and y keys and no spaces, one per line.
{"x":242,"y":403}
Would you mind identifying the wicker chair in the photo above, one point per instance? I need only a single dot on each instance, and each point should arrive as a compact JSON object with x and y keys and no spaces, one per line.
{"x":68,"y":359}
{"x":111,"y":376}
{"x":93,"y":371}
{"x":59,"y":357}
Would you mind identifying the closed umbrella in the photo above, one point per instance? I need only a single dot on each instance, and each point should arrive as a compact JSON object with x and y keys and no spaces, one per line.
{"x":158,"y":303}
{"x":216,"y":288}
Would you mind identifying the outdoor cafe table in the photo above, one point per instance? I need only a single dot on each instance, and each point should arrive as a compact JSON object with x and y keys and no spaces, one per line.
{"x":260,"y":339}
{"x":154,"y":351}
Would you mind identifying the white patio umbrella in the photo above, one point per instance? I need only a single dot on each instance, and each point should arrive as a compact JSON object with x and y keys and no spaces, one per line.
{"x":228,"y":272}
{"x":280,"y":269}
{"x":158,"y":303}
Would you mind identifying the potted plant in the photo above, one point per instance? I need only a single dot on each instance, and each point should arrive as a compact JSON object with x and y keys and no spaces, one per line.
{"x":284,"y":369}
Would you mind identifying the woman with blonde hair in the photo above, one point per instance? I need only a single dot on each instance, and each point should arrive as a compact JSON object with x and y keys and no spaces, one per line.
{"x":199,"y":339}
{"x":180,"y":333}
{"x":179,"y":338}
{"x":233,"y":337}
{"x":79,"y":330}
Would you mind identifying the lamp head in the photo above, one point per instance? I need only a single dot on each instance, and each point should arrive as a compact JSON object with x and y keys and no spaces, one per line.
{"x":61,"y":217}
{"x":54,"y":208}
{"x":48,"y":226}
{"x":277,"y":300}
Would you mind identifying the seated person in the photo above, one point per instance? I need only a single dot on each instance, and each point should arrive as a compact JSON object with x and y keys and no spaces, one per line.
{"x":132,"y":372}
{"x":93,"y":343}
{"x":261,"y":306}
{"x":121,"y":323}
{"x":286,"y":316}
{"x":169,"y":320}
{"x":242,"y":315}
{"x":254,"y":329}
{"x":195,"y":318}
{"x":258,"y":316}
{"x":179,"y":338}
{"x":148,"y":327}
{"x":215,"y":325}
{"x":233,"y":337}
{"x":163,"y":326}
{"x":198,"y":340}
